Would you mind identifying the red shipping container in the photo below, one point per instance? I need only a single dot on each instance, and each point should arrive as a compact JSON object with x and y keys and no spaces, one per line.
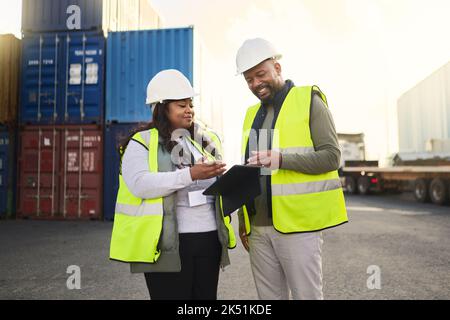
{"x":59,"y":177}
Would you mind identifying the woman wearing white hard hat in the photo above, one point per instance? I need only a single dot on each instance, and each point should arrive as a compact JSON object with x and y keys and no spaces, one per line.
{"x":163,"y":224}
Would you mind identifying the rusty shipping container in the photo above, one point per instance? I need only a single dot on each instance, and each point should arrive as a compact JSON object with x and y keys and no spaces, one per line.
{"x":60,"y":172}
{"x":9,"y":78}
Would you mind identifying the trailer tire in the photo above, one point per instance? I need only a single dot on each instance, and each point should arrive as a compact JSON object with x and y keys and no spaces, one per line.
{"x":438,"y":191}
{"x":363,"y":185}
{"x":448,"y":191}
{"x":350,"y":185}
{"x":421,"y":190}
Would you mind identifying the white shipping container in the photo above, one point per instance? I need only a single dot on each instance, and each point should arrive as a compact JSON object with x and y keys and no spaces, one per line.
{"x":424,"y":112}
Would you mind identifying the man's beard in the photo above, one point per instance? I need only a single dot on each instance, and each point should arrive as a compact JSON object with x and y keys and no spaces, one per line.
{"x":269,"y":97}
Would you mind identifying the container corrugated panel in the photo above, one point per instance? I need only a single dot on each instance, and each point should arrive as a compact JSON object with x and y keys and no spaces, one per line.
{"x":133,"y":59}
{"x":9,"y":78}
{"x":424,"y":112}
{"x":114,"y":134}
{"x":60,"y":172}
{"x":83,"y":95}
{"x":7,"y":171}
{"x":69,"y":15}
{"x":4,"y":168}
{"x":62,"y":78}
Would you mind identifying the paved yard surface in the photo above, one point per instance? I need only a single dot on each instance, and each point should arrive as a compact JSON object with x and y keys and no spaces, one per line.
{"x":409,"y":242}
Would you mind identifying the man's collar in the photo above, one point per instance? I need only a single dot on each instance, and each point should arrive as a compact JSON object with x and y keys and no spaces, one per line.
{"x":280,"y":95}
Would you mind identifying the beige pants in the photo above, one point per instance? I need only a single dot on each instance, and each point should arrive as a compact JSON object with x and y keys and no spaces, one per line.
{"x":283,"y":262}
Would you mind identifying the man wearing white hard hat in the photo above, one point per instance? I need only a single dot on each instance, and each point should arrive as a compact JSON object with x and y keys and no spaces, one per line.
{"x":163,"y":225}
{"x":289,"y":133}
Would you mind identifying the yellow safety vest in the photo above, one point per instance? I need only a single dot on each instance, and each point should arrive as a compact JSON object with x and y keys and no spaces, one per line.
{"x":300,"y":202}
{"x":138,"y":222}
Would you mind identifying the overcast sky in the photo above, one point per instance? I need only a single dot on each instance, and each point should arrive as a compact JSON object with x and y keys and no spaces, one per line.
{"x":362,"y":53}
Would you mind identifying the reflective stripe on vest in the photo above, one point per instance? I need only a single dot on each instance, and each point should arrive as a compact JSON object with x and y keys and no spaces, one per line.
{"x":298,"y":150}
{"x":307,"y":187}
{"x":300,"y":202}
{"x":145,"y":209}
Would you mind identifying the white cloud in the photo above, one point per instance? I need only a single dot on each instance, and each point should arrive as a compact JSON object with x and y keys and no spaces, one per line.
{"x":11,"y":17}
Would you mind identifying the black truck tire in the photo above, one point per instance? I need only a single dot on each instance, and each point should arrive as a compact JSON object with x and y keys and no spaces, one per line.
{"x":363,"y":185}
{"x":421,"y":190}
{"x":438,"y":191}
{"x":350,"y":185}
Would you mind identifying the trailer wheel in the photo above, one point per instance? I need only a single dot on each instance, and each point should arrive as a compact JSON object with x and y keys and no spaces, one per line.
{"x":363,"y":185}
{"x":350,"y":185}
{"x":448,"y":190}
{"x":421,"y":190}
{"x":438,"y":191}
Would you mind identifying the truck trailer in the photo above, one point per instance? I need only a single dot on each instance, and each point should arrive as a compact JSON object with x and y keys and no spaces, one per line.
{"x":426,"y":174}
{"x":428,"y":183}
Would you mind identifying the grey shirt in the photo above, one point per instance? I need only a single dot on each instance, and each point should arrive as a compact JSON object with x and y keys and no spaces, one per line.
{"x":325,"y":158}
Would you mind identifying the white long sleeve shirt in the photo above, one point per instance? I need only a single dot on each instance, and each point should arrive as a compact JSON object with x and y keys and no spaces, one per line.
{"x":145,"y":184}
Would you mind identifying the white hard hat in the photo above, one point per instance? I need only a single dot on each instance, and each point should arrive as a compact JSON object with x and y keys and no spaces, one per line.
{"x":253,"y":52}
{"x":169,"y":84}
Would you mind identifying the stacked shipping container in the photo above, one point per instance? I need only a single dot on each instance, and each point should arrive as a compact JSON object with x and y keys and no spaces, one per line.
{"x":61,"y":171}
{"x":7,"y":171}
{"x":68,"y":118}
{"x":62,"y":103}
{"x":114,"y":134}
{"x":9,"y":87}
{"x":62,"y":78}
{"x":9,"y":78}
{"x":133,"y":58}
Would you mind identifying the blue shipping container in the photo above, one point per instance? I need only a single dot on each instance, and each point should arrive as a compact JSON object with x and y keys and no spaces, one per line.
{"x":60,"y":15}
{"x":134,"y":57}
{"x":62,"y":78}
{"x":114,"y":133}
{"x":7,"y":171}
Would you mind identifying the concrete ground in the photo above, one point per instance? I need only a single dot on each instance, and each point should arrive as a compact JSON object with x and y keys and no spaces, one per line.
{"x":407,"y":241}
